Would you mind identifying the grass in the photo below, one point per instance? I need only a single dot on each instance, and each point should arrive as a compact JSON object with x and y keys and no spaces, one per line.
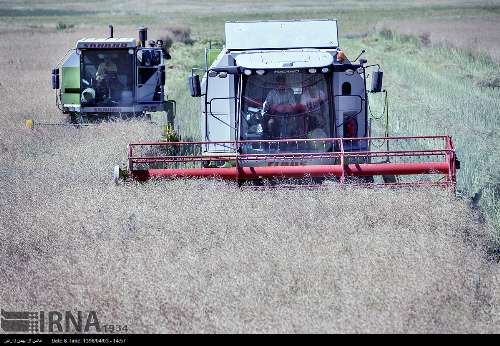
{"x":207,"y":257}
{"x":63,"y":26}
{"x":197,"y":256}
{"x":433,"y":91}
{"x":184,"y":58}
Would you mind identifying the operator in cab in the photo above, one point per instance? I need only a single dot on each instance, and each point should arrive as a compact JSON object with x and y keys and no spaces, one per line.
{"x":106,"y":77}
{"x":106,"y":69}
{"x":279,"y":111}
{"x":313,"y":99}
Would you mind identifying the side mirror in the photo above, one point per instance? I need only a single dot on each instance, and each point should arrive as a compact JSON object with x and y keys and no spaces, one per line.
{"x":162,"y":75}
{"x":194,"y":86}
{"x":55,"y":78}
{"x":377,"y":81}
{"x":166,"y":54}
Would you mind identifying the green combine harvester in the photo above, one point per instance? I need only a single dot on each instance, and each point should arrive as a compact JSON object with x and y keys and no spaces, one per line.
{"x":104,"y":78}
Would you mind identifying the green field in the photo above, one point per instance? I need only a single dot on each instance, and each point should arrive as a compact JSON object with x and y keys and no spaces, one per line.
{"x":204,"y":256}
{"x":207,"y":19}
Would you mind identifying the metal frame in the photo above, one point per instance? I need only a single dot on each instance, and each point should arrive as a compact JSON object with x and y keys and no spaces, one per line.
{"x":343,"y":164}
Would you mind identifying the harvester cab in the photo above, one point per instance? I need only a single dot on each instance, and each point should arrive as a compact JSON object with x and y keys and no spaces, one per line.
{"x":281,"y":100}
{"x":282,"y":80}
{"x":104,"y":77}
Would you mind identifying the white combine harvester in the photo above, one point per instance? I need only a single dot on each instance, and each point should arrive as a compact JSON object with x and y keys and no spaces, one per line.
{"x":281,"y":100}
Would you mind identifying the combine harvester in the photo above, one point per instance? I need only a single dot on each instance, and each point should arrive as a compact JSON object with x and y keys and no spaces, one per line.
{"x":112,"y":77}
{"x":281,"y":102}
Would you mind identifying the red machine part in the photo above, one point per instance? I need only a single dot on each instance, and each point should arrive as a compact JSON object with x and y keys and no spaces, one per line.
{"x":350,"y":127}
{"x":345,"y":158}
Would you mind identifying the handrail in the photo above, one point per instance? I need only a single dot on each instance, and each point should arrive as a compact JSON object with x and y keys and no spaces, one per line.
{"x":340,"y":161}
{"x":330,"y":139}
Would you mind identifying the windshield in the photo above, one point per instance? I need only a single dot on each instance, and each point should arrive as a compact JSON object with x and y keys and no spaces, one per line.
{"x":107,"y":78}
{"x":285,"y":105}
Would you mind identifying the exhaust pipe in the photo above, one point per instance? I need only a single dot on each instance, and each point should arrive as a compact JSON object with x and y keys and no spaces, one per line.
{"x":143,"y":35}
{"x":110,"y":31}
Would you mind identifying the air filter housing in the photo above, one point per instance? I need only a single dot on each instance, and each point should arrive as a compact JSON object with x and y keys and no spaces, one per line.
{"x":377,"y":81}
{"x":143,"y":35}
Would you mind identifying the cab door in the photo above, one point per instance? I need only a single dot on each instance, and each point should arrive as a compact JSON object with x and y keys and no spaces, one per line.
{"x":150,"y":76}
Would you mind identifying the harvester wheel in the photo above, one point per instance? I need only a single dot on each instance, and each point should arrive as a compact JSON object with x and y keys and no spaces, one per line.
{"x":389,"y":179}
{"x":76,"y":118}
{"x":73,"y":118}
{"x":368,"y":180}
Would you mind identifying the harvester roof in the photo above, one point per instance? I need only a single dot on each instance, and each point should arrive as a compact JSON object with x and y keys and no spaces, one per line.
{"x":106,"y":43}
{"x":284,"y":34}
{"x":276,"y":59}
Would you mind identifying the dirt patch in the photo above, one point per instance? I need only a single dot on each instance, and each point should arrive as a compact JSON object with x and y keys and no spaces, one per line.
{"x":476,"y":34}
